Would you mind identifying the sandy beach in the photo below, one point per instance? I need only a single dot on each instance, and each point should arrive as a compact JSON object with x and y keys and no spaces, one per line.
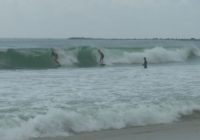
{"x":189,"y":130}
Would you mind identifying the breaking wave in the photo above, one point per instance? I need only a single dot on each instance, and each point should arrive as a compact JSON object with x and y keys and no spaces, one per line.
{"x":87,"y":56}
{"x":65,"y":123}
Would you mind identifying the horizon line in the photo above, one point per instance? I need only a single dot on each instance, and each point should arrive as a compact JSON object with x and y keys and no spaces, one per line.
{"x":102,"y":38}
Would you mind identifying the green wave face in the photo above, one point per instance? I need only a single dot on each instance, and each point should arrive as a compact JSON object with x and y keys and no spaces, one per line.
{"x":42,"y":58}
{"x":31,"y":59}
{"x":86,"y":57}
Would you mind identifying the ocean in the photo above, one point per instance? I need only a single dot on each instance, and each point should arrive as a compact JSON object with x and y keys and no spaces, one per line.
{"x":38,"y":98}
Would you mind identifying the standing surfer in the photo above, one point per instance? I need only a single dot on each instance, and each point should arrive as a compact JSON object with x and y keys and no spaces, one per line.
{"x":101,"y":56}
{"x":145,"y":63}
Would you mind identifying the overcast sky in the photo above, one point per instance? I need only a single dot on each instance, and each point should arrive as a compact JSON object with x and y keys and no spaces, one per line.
{"x":100,"y":18}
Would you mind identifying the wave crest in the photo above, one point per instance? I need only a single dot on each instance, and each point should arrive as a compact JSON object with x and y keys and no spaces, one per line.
{"x":157,"y":55}
{"x":64,"y":123}
{"x":86,"y":56}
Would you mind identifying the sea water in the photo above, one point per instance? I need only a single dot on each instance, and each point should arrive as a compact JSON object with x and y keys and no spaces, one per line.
{"x":40,"y":99}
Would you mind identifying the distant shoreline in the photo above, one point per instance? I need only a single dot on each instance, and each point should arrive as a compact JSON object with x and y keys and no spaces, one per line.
{"x":90,"y":38}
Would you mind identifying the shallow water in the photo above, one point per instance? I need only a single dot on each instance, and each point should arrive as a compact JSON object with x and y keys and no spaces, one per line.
{"x":69,"y":100}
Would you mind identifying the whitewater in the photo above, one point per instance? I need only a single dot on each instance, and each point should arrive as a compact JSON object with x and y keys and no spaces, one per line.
{"x":40,"y":99}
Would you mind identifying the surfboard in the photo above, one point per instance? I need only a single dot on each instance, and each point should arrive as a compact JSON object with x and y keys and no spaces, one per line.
{"x":102,"y":64}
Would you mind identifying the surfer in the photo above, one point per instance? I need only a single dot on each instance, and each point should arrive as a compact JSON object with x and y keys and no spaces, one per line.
{"x":145,"y":63}
{"x":101,"y":56}
{"x":55,"y":56}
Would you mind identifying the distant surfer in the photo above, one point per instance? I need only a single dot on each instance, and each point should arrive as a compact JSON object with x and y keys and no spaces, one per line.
{"x":101,"y":56}
{"x":55,"y":56}
{"x":145,"y":63}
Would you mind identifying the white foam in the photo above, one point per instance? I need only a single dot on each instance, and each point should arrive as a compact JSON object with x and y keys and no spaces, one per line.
{"x":64,"y":123}
{"x":154,"y":55}
{"x":66,"y":58}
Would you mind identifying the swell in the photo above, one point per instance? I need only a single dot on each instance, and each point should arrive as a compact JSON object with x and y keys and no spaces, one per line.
{"x":86,"y":56}
{"x":25,"y":58}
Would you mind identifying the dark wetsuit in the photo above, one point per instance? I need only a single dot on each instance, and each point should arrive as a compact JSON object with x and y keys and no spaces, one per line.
{"x":101,"y":56}
{"x":145,"y":63}
{"x":55,"y":55}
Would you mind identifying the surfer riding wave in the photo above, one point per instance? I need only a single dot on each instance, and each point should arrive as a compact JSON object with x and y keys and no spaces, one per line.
{"x":55,"y":57}
{"x":101,"y":56}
